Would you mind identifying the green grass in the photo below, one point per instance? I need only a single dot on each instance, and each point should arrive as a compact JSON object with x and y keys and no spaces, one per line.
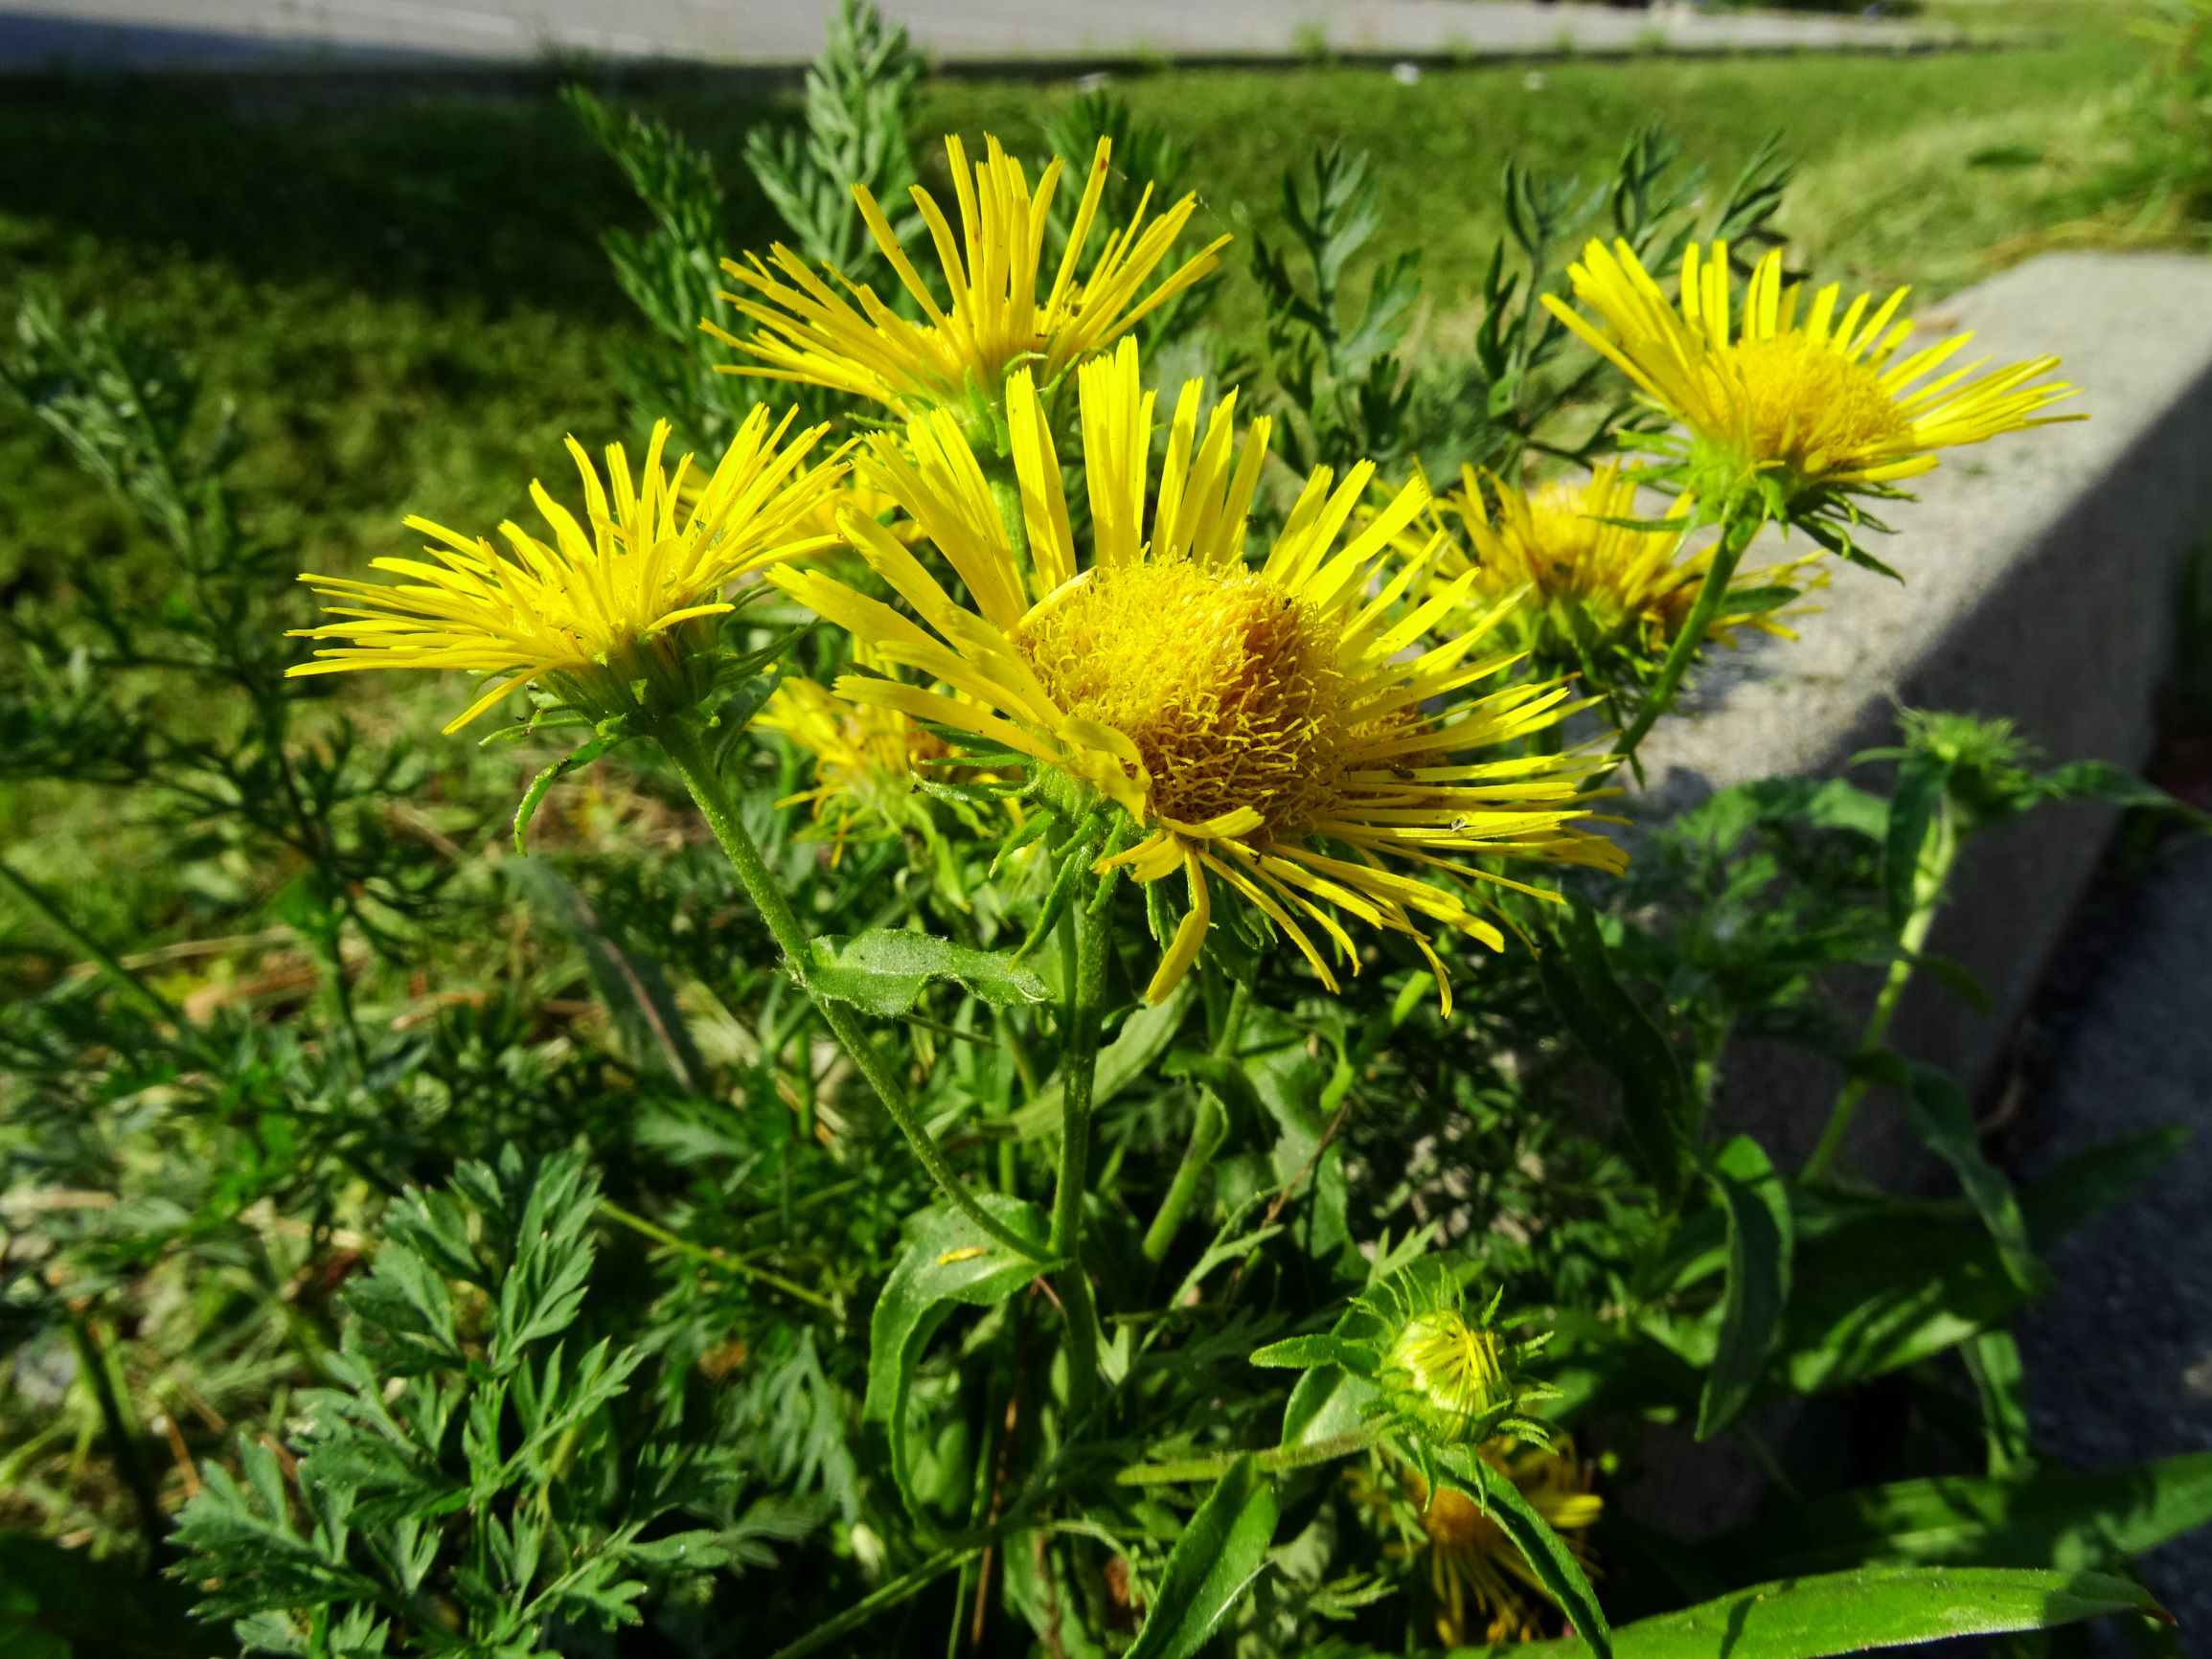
{"x":405,"y":300}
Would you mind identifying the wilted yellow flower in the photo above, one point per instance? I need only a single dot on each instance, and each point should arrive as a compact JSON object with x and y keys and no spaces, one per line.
{"x":854,"y":342}
{"x":599,"y":611}
{"x":1484,"y":1590}
{"x":1814,"y":405}
{"x":1263,"y":727}
{"x":1594,"y":589}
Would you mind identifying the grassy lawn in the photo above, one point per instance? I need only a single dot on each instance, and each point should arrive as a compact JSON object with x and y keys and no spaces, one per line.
{"x":404,"y":298}
{"x":407,"y":302}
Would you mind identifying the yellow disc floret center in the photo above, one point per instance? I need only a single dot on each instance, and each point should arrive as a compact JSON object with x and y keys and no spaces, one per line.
{"x":1561,"y":537}
{"x":1812,"y":408}
{"x":1229,"y":687}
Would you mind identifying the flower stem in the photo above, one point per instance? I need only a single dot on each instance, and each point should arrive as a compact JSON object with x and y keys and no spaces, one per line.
{"x":691,"y":764}
{"x":1079,"y":1068}
{"x":1737,"y":529}
{"x":1289,"y":1457}
{"x":93,"y":1365}
{"x":1929,"y":882}
{"x":1206,"y":1133}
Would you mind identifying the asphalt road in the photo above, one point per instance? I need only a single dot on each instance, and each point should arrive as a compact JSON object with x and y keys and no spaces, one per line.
{"x":2119,"y":1358}
{"x":106,"y":35}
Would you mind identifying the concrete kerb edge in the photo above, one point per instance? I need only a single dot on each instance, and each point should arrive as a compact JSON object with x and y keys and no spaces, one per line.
{"x":377,"y":76}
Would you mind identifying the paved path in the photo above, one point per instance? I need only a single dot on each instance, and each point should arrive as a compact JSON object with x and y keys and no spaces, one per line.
{"x":229,"y":34}
{"x":2119,"y":1361}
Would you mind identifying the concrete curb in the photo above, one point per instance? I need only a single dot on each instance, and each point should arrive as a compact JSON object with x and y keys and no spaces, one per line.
{"x":248,"y":39}
{"x":368,"y":75}
{"x":2041,"y":572}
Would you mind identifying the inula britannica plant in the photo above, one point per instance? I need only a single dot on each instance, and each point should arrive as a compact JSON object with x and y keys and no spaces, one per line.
{"x":1030,"y":1008}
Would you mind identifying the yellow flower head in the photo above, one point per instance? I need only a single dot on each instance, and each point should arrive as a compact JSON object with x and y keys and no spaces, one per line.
{"x":1264,"y":727}
{"x":1482,"y":1588}
{"x":1590,"y":588}
{"x":863,"y":759}
{"x":853,"y":342}
{"x":602,"y":609}
{"x":1816,"y":404}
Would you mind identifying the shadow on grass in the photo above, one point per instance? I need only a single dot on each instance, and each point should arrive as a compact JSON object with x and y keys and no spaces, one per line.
{"x":441,"y":195}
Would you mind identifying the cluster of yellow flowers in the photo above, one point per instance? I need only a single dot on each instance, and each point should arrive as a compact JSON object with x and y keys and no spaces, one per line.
{"x":1322,"y":727}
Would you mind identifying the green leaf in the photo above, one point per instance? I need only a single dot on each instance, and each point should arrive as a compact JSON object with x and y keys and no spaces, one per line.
{"x":1076,"y":854}
{"x":1921,"y":780}
{"x":1221,"y":1552}
{"x":1941,"y":1114}
{"x":552,"y":775}
{"x":1757,"y":600}
{"x":1883,"y":1285}
{"x":1762,"y":1239}
{"x":2089,"y":1182}
{"x":1304,"y":1352}
{"x":2058,"y":1518}
{"x":735,"y":714}
{"x":634,"y":989}
{"x":1328,"y":1404}
{"x":1959,"y":980}
{"x":947,"y":1261}
{"x":1545,"y":1552}
{"x":1993,"y":1359}
{"x":1654,"y":1098}
{"x":1840,"y":806}
{"x":1856,"y":1612}
{"x":886,"y":972}
{"x":2115,"y":787}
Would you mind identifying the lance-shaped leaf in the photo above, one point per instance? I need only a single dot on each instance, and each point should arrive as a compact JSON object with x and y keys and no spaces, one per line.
{"x":1762,"y":1241}
{"x":947,"y":1261}
{"x":1859,"y":1612}
{"x":2056,"y":1518}
{"x":1546,"y":1553}
{"x":1921,"y":782}
{"x":1941,"y":1114}
{"x":1221,"y":1552}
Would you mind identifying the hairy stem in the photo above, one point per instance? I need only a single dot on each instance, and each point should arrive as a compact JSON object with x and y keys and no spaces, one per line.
{"x":691,"y":764}
{"x":1929,"y":882}
{"x":1079,"y":1068}
{"x":92,"y":1365}
{"x":1737,"y":529}
{"x":1190,"y":1469}
{"x":1205,"y":1138}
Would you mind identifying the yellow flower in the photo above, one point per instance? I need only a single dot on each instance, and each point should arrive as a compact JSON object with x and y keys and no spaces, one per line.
{"x":1590,"y":587}
{"x":854,"y":342}
{"x":1479,"y":1579}
{"x":603,"y":610}
{"x":1816,"y":404}
{"x":1266,"y":728}
{"x":863,"y":759}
